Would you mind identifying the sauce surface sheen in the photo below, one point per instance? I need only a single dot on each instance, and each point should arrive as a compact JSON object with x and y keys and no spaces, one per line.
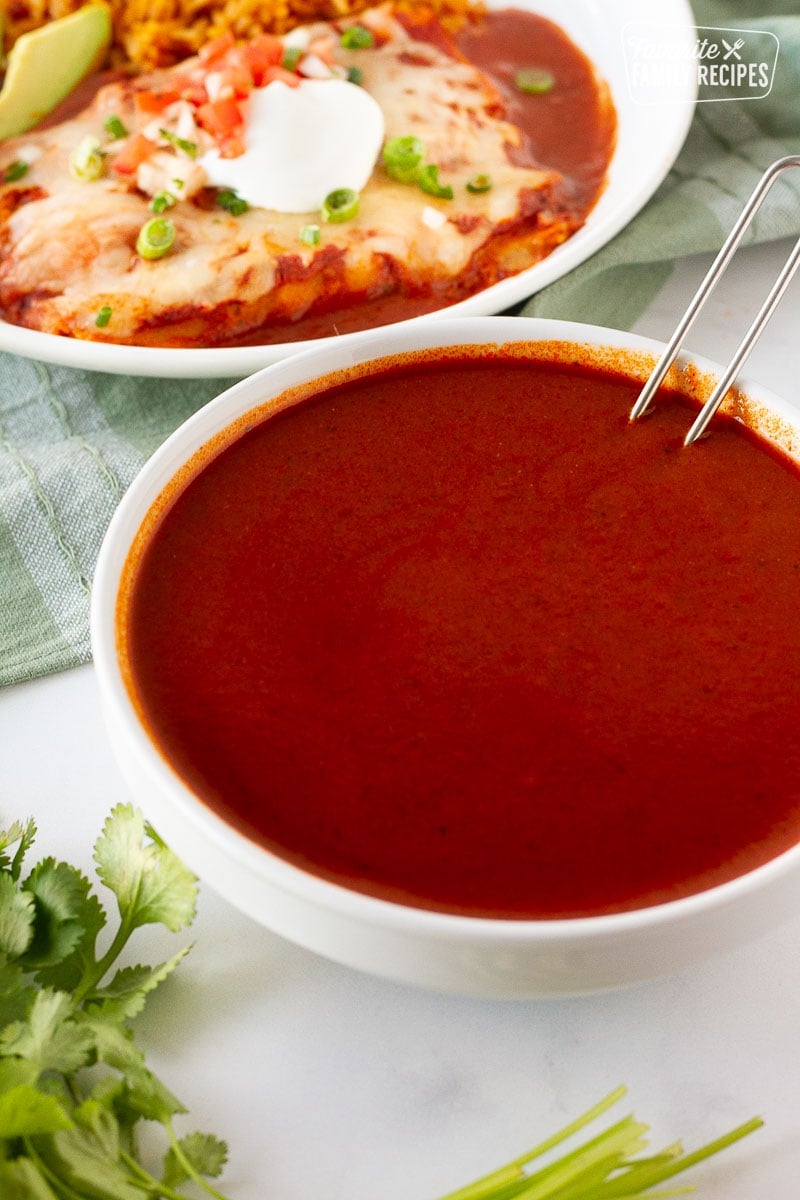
{"x":460,"y":636}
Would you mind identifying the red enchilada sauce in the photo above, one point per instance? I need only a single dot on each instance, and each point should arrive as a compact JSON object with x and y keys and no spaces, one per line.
{"x":570,"y":127}
{"x":460,"y":636}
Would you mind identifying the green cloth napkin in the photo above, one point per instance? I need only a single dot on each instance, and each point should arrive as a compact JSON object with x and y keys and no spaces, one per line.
{"x":72,"y":441}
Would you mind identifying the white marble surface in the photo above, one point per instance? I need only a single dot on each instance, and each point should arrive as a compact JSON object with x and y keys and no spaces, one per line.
{"x":329,"y":1083}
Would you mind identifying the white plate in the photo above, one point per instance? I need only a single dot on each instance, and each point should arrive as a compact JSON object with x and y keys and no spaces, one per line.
{"x":649,"y":137}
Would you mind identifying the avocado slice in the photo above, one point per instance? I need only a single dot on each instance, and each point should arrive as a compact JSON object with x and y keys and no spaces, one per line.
{"x":47,"y":63}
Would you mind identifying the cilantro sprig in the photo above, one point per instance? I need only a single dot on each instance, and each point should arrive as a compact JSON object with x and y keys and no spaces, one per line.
{"x":74,"y":1086}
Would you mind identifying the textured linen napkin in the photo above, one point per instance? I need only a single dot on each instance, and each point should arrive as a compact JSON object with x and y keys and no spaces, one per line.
{"x":72,"y":441}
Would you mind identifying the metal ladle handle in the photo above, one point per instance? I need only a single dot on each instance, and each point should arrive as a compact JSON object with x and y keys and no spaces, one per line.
{"x":706,"y":287}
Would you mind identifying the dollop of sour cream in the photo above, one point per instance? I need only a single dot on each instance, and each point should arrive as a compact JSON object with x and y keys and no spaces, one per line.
{"x":302,"y":143}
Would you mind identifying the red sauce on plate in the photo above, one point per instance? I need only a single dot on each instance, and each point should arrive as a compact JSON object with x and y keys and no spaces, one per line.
{"x":570,"y":128}
{"x":460,"y":636}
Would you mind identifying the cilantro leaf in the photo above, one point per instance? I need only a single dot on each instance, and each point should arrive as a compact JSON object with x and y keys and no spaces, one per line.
{"x":97,"y":1117}
{"x":107,"y":1089}
{"x":204,"y":1152}
{"x":66,"y":974}
{"x":79,"y":1157}
{"x":60,"y":895}
{"x":151,"y":884}
{"x":126,"y":994}
{"x":49,"y":1037}
{"x":14,"y":1072}
{"x":147,"y":1097}
{"x":22,"y":832}
{"x":16,"y":918}
{"x":113,"y":1043}
{"x":25,"y":1111}
{"x":21,"y":1179}
{"x":16,"y":994}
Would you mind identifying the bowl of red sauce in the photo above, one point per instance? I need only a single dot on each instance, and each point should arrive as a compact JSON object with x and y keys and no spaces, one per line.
{"x":421,"y":653}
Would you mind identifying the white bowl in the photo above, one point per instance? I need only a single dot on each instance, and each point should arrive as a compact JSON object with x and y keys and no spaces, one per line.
{"x":433,"y":949}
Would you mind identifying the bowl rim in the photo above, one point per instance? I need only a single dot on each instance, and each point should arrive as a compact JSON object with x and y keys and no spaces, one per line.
{"x":221,"y":413}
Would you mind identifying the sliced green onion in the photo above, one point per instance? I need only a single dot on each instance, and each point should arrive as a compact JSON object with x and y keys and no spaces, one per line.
{"x":609,"y":1163}
{"x":356,"y":37}
{"x":188,"y":148}
{"x":156,"y":238}
{"x":355,"y":75}
{"x":291,"y":57}
{"x":533,"y":81}
{"x":162,"y":201}
{"x":428,"y":180}
{"x":235,"y":205}
{"x":479,"y":183}
{"x":310,"y":235}
{"x":340,"y":205}
{"x":87,"y":161}
{"x":103,"y":316}
{"x":114,"y":127}
{"x":15,"y":171}
{"x":402,"y":157}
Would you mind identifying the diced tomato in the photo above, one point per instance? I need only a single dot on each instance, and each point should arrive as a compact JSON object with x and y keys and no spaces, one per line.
{"x":235,"y":79}
{"x":214,"y":51}
{"x":324,"y":48}
{"x":290,"y":78}
{"x":136,"y":149}
{"x":232,"y":145}
{"x":263,"y":52}
{"x":150,"y":104}
{"x":190,"y":87}
{"x":221,"y":117}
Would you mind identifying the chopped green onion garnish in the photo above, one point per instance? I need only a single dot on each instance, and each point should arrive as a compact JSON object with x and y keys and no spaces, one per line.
{"x":232,"y":203}
{"x":355,"y":75}
{"x":310,"y":235}
{"x":15,"y":171}
{"x":86,"y":161}
{"x":162,"y":201}
{"x":356,"y":37}
{"x":479,"y":183}
{"x":607,"y":1164}
{"x":291,"y":57}
{"x":103,"y":316}
{"x":428,"y":180}
{"x":402,"y":157}
{"x":114,"y":128}
{"x":341,"y":205}
{"x":188,"y":148}
{"x":533,"y":81}
{"x":155,"y":238}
